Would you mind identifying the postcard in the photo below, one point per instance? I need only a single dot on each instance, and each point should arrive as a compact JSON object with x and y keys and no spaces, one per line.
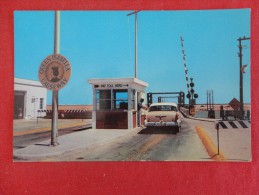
{"x":132,"y":86}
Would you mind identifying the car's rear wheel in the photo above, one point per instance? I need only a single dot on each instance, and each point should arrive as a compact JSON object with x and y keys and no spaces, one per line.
{"x":177,"y":129}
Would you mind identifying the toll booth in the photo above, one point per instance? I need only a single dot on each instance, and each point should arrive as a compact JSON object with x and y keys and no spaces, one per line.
{"x":115,"y":102}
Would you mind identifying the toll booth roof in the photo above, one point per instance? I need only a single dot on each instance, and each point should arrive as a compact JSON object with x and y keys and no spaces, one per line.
{"x":99,"y":81}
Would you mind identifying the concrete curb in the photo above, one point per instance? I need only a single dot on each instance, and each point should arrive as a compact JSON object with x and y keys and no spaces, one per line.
{"x":199,"y":119}
{"x":209,"y":145}
{"x":203,"y":119}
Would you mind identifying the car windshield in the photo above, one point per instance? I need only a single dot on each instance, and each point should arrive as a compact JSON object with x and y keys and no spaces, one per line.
{"x":162,"y":108}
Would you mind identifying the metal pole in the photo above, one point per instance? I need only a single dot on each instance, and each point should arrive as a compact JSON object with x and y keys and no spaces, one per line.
{"x":57,"y":33}
{"x":241,"y":79}
{"x":218,"y":139}
{"x":136,"y":42}
{"x":217,"y":127}
{"x":241,"y":75}
{"x":136,"y":45}
{"x":212,"y":100}
{"x":54,"y":122}
{"x":207,"y":100}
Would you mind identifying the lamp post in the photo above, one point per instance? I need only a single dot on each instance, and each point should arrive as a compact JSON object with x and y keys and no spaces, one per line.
{"x":136,"y":42}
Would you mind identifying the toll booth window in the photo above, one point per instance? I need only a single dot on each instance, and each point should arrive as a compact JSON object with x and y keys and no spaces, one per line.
{"x":112,"y":99}
{"x":41,"y":103}
{"x":132,"y":104}
{"x":103,"y":99}
{"x":120,"y":99}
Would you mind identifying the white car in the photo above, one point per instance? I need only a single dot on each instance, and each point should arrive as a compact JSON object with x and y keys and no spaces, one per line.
{"x":163,"y":115}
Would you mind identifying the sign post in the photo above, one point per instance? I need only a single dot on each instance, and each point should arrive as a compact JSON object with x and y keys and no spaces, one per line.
{"x":54,"y":74}
{"x":54,"y":121}
{"x":235,"y":104}
{"x":217,"y":127}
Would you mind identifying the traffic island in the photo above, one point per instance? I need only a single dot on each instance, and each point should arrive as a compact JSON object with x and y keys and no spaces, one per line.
{"x":72,"y":142}
{"x":209,"y":145}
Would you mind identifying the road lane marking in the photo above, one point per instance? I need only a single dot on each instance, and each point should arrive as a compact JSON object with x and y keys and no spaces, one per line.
{"x":209,"y":145}
{"x":45,"y":129}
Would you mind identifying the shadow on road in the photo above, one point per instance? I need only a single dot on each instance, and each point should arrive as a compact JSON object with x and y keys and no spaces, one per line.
{"x":159,"y":130}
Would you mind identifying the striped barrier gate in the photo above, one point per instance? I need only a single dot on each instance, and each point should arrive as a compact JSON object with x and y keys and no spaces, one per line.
{"x":242,"y":124}
{"x":71,"y":114}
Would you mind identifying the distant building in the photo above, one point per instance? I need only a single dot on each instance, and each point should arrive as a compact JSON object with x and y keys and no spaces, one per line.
{"x":29,"y":99}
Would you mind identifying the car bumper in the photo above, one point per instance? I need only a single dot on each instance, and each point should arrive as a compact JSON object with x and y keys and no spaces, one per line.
{"x":162,"y":124}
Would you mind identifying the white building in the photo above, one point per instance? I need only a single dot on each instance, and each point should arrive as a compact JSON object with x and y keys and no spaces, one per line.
{"x":29,"y":99}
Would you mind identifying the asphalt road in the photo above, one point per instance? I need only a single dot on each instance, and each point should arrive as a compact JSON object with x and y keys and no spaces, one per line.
{"x":145,"y":145}
{"x":139,"y":144}
{"x":25,"y":140}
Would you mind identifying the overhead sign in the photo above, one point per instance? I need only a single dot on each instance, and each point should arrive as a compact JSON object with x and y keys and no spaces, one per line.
{"x":54,"y":72}
{"x":111,"y":85}
{"x":234,"y":103}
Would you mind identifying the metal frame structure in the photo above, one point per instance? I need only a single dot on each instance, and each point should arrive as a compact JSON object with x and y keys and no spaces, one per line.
{"x":150,"y":97}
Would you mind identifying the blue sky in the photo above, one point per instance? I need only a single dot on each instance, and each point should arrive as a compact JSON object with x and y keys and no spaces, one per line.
{"x":100,"y":44}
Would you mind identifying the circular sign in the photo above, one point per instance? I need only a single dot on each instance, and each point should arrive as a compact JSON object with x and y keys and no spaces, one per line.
{"x":54,"y":72}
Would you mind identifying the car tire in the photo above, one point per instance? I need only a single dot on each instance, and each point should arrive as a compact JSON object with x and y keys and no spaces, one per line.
{"x":177,"y":129}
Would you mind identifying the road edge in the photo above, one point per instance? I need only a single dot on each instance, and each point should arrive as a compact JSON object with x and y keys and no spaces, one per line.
{"x":209,"y":145}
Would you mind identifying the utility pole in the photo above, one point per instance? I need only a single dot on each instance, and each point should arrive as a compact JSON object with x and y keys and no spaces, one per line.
{"x":212,"y":99}
{"x":210,"y":104}
{"x":136,"y":41}
{"x":54,"y":122}
{"x":207,"y":100}
{"x":241,"y":75}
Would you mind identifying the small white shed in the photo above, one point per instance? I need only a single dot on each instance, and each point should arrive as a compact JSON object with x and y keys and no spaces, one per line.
{"x":29,"y":99}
